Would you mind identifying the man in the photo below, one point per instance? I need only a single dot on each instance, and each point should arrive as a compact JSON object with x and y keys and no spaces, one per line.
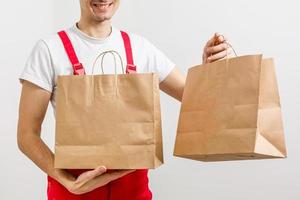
{"x":92,"y":35}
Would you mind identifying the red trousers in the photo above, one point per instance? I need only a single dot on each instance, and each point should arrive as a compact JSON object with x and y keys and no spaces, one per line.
{"x":133,"y":186}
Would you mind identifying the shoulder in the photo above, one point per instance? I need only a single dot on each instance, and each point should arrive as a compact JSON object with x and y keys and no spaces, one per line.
{"x":50,"y":44}
{"x":44,"y":45}
{"x":50,"y":41}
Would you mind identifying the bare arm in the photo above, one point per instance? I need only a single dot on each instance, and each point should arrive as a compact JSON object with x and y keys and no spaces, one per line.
{"x":33,"y":105}
{"x":173,"y":84}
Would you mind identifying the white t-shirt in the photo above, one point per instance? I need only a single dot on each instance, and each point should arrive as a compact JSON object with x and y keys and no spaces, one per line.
{"x":48,"y":58}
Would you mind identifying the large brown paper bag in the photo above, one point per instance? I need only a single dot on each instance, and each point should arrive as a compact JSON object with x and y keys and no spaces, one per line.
{"x":231,"y":111}
{"x":110,"y":120}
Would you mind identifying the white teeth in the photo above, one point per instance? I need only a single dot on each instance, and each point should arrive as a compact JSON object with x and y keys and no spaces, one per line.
{"x":102,"y":6}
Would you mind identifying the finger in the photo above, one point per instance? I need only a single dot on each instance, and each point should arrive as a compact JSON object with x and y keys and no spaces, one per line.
{"x":220,"y":39}
{"x":216,"y":49}
{"x":212,"y":40}
{"x":217,"y":56}
{"x":104,"y":179}
{"x":216,"y":39}
{"x":87,"y":176}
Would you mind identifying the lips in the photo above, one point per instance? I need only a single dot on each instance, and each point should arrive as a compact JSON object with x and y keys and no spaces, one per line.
{"x":102,"y":4}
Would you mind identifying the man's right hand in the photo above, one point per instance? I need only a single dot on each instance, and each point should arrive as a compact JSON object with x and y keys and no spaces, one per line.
{"x":92,"y":179}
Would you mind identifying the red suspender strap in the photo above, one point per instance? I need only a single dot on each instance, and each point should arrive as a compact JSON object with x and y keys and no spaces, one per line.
{"x":130,"y":68}
{"x":77,"y":66}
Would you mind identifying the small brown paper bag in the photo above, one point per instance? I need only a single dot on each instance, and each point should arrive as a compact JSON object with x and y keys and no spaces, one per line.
{"x":109,"y":120}
{"x":231,"y":111}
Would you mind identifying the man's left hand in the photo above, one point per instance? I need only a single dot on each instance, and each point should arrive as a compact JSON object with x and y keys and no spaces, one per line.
{"x":215,"y":49}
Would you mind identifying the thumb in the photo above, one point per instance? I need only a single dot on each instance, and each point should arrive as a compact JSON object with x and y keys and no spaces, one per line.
{"x":89,"y":175}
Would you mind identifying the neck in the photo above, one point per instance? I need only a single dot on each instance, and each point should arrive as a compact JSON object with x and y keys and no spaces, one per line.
{"x":95,"y":29}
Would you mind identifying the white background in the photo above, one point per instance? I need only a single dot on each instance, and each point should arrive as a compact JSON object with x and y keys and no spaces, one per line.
{"x":179,"y":28}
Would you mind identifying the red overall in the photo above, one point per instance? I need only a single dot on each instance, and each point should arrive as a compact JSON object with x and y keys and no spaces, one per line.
{"x":133,"y":186}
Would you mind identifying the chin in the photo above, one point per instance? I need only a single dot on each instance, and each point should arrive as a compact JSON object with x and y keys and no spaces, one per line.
{"x":101,"y":18}
{"x":103,"y":9}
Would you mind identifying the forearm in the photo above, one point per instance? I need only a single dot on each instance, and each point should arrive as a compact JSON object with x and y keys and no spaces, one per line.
{"x":33,"y":106}
{"x":173,"y":84}
{"x":36,"y":150}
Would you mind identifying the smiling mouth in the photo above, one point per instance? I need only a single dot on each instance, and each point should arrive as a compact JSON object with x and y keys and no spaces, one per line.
{"x":101,"y":5}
